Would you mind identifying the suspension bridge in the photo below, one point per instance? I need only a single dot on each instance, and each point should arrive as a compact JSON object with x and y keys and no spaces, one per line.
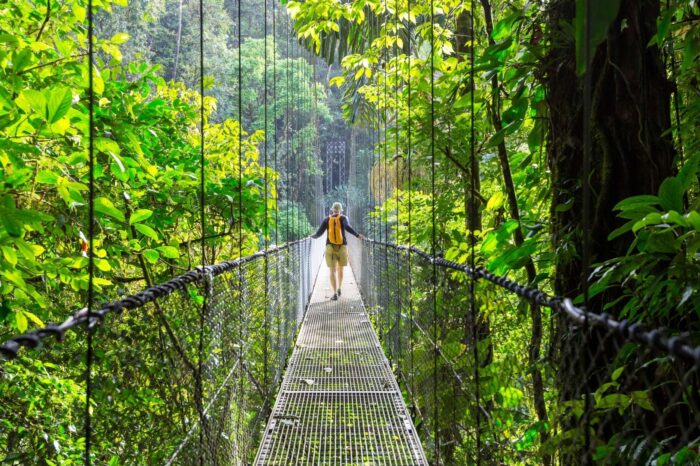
{"x":427,"y":358}
{"x":363,"y":380}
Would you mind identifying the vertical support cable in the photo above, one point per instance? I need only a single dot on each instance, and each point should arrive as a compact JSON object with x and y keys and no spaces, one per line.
{"x":295,"y":125}
{"x":317,"y":152}
{"x":472,"y":237}
{"x":199,"y":390}
{"x":266,"y":264}
{"x":396,"y":161}
{"x":676,"y":104}
{"x":384,"y":276}
{"x":410,"y":206}
{"x":274,"y":112}
{"x":91,"y":232}
{"x":433,"y":238}
{"x":287,"y":127}
{"x":240,"y":131}
{"x":585,"y":185}
{"x":239,"y":84}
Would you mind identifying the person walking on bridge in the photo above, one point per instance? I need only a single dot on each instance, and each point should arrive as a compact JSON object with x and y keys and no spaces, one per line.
{"x":337,"y":225}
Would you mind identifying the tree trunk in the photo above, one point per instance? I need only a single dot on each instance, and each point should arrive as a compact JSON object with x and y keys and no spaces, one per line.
{"x":535,"y":314}
{"x":631,"y":149}
{"x":631,"y":153}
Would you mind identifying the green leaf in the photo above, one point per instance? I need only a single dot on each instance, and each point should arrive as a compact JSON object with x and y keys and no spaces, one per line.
{"x":119,"y":38}
{"x":495,"y":202}
{"x":151,"y":255}
{"x":9,"y":39}
{"x":671,"y":194}
{"x":140,"y":215}
{"x":169,"y":251}
{"x":662,"y":242}
{"x":108,"y":146}
{"x":617,"y":401}
{"x":28,"y":250}
{"x":616,"y":374}
{"x":8,"y":217}
{"x":651,"y":219}
{"x":687,"y":173}
{"x":106,"y":207}
{"x":59,"y":102}
{"x":674,"y":217}
{"x":636,"y":201}
{"x":47,"y":177}
{"x":117,"y":168}
{"x":103,"y":265}
{"x":693,"y":218}
{"x":31,"y":316}
{"x":30,"y":100}
{"x":603,"y":13}
{"x":21,"y":321}
{"x":662,"y":26}
{"x":641,"y":399}
{"x":621,"y":231}
{"x":22,"y":60}
{"x":147,"y":231}
{"x":10,"y":255}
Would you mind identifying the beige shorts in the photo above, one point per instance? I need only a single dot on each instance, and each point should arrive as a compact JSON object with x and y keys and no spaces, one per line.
{"x":336,"y":254}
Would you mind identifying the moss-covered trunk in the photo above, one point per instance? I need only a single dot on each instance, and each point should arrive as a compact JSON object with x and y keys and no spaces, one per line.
{"x":631,"y":153}
{"x":631,"y":148}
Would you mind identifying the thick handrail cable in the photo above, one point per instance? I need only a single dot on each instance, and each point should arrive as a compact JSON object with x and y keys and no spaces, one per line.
{"x":675,"y":346}
{"x":33,"y":339}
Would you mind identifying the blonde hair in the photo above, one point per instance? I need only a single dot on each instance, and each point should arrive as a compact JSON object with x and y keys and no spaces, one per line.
{"x":337,"y":207}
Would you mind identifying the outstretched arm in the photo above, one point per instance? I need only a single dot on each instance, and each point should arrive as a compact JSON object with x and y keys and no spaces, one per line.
{"x":350,"y":229}
{"x":321,"y":229}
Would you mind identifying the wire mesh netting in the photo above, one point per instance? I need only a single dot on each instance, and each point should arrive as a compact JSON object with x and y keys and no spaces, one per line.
{"x":201,"y":358}
{"x":516,"y":377}
{"x":339,"y":403}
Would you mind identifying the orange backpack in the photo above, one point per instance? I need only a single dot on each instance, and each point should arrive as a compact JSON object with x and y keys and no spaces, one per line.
{"x":335,"y":230}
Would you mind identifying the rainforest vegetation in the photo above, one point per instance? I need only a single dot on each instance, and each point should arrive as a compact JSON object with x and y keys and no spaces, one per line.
{"x":486,"y":95}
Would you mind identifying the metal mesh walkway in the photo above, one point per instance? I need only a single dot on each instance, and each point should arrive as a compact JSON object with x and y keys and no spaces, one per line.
{"x":339,"y":403}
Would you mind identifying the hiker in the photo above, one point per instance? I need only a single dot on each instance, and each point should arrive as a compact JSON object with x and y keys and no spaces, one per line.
{"x":336,"y":244}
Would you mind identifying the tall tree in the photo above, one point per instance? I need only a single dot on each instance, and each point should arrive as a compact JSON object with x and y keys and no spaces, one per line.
{"x":632,"y":151}
{"x":631,"y":154}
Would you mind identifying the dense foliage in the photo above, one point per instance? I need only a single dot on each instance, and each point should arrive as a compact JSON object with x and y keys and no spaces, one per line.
{"x":407,"y":73}
{"x":513,"y":198}
{"x":147,"y":143}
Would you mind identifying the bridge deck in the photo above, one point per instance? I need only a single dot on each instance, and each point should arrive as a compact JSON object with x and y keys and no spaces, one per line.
{"x":339,"y":403}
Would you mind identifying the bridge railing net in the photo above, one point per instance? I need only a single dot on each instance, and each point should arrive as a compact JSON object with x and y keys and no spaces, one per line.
{"x":485,"y":388}
{"x":185,"y":377}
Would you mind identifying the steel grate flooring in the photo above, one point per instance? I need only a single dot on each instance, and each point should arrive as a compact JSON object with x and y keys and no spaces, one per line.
{"x":339,"y":403}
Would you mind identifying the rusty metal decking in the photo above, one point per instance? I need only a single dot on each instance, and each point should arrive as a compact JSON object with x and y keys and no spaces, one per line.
{"x":339,"y":403}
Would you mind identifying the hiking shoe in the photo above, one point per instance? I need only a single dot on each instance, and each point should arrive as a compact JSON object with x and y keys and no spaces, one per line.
{"x":338,"y":292}
{"x":334,"y":297}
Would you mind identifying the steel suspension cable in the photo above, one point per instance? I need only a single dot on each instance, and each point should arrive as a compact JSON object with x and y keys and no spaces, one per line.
{"x":274,"y":112}
{"x":384,"y":162}
{"x":396,"y":162}
{"x":199,"y":389}
{"x":585,"y":185}
{"x":433,"y":232}
{"x":472,"y":235}
{"x":266,"y":262}
{"x":91,"y":232}
{"x":239,"y":84}
{"x":297,"y":146}
{"x":287,"y":126}
{"x":410,"y":206}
